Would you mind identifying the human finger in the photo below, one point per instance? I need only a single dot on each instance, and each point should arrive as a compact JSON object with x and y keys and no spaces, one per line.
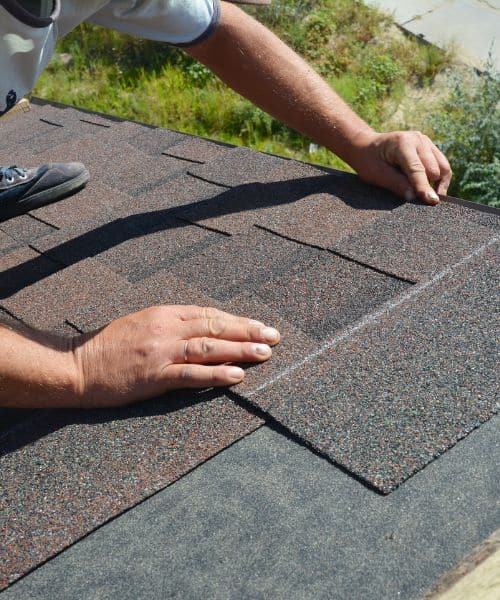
{"x":190,"y":312}
{"x":237,"y":329}
{"x":411,"y":164}
{"x":445,"y":172}
{"x":391,"y":178}
{"x":201,"y":376}
{"x":429,"y":160}
{"x":207,"y":350}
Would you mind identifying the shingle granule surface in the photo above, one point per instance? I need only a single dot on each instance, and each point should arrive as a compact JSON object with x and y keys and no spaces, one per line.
{"x":393,"y":395}
{"x":387,"y":354}
{"x":414,"y":242}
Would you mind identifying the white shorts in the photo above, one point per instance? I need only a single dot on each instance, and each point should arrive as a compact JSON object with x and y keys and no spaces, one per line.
{"x":27,"y":42}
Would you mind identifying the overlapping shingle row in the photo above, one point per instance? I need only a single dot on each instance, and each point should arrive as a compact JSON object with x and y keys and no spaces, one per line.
{"x":384,"y":308}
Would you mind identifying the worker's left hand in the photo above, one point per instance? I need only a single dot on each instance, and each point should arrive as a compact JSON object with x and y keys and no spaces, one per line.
{"x":405,"y":162}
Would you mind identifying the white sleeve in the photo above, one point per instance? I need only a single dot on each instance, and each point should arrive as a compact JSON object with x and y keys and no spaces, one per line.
{"x":179,"y":22}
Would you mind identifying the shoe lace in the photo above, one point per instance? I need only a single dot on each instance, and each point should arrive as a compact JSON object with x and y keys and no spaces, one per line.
{"x":9,"y":173}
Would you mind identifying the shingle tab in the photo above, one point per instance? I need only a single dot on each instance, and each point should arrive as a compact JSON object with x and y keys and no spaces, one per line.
{"x":236,"y":264}
{"x":415,"y":241}
{"x":155,"y":141}
{"x":198,"y":150}
{"x":385,"y":399}
{"x":71,"y":471}
{"x":134,"y":247}
{"x":95,"y":205}
{"x":48,"y":301}
{"x":24,"y":137}
{"x":160,"y":288}
{"x":336,"y":206}
{"x":21,"y":268}
{"x":311,"y":205}
{"x":242,"y":166}
{"x":322,"y":292}
{"x":26,"y":228}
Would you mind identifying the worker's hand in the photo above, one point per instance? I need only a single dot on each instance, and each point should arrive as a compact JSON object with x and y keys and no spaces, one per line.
{"x":166,"y":347}
{"x":405,"y":162}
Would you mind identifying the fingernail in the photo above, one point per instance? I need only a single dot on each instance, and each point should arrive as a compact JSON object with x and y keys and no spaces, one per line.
{"x":262,"y":349}
{"x":432,"y":196}
{"x":409,"y":195}
{"x":270,"y":334}
{"x":236,"y":373}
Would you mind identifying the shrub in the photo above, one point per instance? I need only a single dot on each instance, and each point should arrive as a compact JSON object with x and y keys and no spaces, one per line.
{"x":468,"y":132}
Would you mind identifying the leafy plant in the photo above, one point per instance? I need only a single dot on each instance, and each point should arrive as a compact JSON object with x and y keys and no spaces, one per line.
{"x":468,"y":132}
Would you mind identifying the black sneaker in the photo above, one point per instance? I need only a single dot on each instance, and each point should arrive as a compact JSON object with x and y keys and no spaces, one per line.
{"x":22,"y":190}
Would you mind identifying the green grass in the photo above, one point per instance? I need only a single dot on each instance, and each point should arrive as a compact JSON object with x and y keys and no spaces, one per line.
{"x":354,"y":47}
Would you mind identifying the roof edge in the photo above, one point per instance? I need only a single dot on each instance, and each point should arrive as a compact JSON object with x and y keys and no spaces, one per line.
{"x":451,"y":199}
{"x":486,"y":208}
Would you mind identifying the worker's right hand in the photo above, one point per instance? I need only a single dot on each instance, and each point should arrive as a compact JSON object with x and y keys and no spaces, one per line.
{"x":163,"y":348}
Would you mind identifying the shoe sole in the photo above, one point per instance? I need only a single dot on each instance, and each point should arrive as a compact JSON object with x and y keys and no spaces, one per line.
{"x":55,"y":193}
{"x":45,"y":197}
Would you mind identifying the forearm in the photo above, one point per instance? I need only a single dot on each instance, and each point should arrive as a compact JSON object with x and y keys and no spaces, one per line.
{"x":37,"y":370}
{"x":256,"y":64}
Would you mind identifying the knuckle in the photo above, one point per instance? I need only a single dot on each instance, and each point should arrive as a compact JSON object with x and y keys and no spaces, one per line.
{"x":433,"y":172}
{"x":187,"y":374}
{"x":150,"y":348}
{"x":188,"y":351}
{"x":215,"y":327}
{"x":212,"y":375}
{"x":207,"y":312}
{"x":416,"y":167}
{"x":207,"y":346}
{"x":155,"y":312}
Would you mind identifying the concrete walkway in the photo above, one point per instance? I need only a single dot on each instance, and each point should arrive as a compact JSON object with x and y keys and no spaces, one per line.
{"x":472,"y":25}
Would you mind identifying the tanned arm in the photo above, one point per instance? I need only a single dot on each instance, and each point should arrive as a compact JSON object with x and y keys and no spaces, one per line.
{"x":136,"y":357}
{"x":259,"y":66}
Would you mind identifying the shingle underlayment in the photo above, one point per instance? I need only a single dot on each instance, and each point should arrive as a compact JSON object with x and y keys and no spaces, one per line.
{"x":385,"y":311}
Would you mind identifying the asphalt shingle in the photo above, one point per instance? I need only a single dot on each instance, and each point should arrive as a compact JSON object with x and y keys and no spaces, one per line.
{"x":134,"y":247}
{"x":67,"y":473}
{"x":322,"y":293}
{"x":236,"y":264}
{"x":21,"y":268}
{"x":179,"y":220}
{"x":51,"y":299}
{"x":26,"y":228}
{"x":198,"y":150}
{"x":416,"y":241}
{"x":405,"y":384}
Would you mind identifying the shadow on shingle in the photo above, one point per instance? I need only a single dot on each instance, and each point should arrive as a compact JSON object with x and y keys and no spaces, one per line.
{"x":23,"y":427}
{"x":67,"y":248}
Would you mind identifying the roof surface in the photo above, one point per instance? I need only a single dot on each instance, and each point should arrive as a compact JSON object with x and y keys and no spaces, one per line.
{"x":267,"y":518}
{"x":385,"y":309}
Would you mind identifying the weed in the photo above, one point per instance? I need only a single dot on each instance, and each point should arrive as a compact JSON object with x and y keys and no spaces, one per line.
{"x":468,"y":132}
